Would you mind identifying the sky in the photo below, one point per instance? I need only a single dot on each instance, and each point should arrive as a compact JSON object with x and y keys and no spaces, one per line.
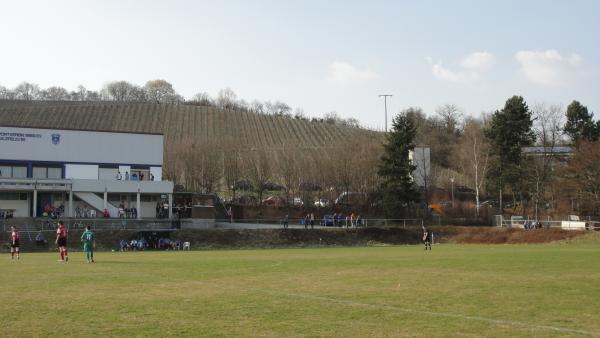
{"x":321,"y":56}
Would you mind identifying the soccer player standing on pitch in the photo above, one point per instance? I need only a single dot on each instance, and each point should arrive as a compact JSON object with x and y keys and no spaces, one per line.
{"x":14,"y":243}
{"x":89,"y":242}
{"x":427,"y":238}
{"x":61,"y":241}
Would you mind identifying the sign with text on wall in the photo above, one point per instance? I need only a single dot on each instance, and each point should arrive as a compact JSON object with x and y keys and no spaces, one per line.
{"x":76,"y":146}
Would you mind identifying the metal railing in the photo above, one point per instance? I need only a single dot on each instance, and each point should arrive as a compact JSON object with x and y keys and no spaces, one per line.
{"x":95,"y":223}
{"x":327,"y":222}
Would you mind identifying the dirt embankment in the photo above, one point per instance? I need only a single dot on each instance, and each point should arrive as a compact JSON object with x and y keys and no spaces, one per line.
{"x":274,"y":238}
{"x":485,"y":235}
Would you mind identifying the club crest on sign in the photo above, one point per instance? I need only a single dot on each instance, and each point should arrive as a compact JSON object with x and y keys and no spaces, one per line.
{"x":55,"y":139}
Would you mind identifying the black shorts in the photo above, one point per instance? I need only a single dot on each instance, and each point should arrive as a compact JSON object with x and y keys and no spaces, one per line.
{"x":62,"y":241}
{"x":15,"y":244}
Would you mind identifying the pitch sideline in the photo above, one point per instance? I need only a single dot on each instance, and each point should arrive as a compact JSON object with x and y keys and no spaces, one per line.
{"x":432,"y":313}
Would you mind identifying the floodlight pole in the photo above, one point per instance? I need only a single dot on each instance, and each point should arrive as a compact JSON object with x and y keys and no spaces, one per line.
{"x":385,"y":96}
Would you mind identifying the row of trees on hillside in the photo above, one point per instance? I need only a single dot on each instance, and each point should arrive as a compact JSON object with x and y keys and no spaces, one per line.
{"x":160,"y":91}
{"x":155,"y":91}
{"x":326,"y":172}
{"x":490,"y":156}
{"x":481,"y":154}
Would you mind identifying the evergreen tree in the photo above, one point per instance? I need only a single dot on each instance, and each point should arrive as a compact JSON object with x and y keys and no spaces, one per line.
{"x":580,"y":123}
{"x":509,"y":131}
{"x":396,"y":168}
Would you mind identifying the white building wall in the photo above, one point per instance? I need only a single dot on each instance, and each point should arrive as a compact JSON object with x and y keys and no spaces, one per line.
{"x":421,"y":158}
{"x":21,"y":207}
{"x":76,"y":146}
{"x":81,"y":171}
{"x":148,"y":209}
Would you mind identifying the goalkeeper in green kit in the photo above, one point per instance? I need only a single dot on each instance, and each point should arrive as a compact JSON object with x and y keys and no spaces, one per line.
{"x":89,"y":242}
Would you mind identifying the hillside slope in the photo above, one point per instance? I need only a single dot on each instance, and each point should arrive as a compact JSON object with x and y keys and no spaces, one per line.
{"x":178,"y":123}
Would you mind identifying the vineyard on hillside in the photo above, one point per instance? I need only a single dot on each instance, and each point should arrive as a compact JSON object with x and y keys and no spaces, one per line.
{"x":177,"y":122}
{"x":209,"y":149}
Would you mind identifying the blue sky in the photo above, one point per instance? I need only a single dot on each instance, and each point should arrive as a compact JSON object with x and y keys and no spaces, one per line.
{"x":321,"y":56}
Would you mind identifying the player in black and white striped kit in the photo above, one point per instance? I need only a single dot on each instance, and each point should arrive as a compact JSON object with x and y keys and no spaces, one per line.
{"x":427,"y":238}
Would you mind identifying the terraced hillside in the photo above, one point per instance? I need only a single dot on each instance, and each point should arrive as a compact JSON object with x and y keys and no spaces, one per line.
{"x":178,"y":123}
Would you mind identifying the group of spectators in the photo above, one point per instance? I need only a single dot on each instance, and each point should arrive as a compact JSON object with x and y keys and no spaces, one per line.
{"x":127,"y":212}
{"x":162,"y":209}
{"x":135,"y":176}
{"x":142,"y":244}
{"x":133,"y":245}
{"x":339,"y":220}
{"x":52,"y":211}
{"x":336,"y":220}
{"x":530,"y":225}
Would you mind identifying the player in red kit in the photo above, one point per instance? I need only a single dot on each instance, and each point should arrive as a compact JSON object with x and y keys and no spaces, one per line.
{"x":61,"y":241}
{"x":14,"y":243}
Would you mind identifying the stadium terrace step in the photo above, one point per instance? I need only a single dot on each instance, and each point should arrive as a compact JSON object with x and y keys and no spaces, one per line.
{"x":97,"y":203}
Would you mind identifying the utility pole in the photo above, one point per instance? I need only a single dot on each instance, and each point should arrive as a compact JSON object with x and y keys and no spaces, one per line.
{"x":385,"y":96}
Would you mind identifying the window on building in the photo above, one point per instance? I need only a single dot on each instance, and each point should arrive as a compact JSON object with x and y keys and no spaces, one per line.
{"x":55,"y":173}
{"x":40,"y":172}
{"x":10,"y":196}
{"x":5,"y":172}
{"x":148,"y":198}
{"x":19,"y":172}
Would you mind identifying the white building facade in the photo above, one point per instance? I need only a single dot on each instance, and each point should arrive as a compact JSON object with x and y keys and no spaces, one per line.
{"x":81,"y":173}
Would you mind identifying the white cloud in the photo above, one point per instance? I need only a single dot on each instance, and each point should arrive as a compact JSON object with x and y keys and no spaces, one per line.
{"x":344,"y":73}
{"x":471,"y":68}
{"x":479,"y":61}
{"x":548,"y":67}
{"x":443,"y":73}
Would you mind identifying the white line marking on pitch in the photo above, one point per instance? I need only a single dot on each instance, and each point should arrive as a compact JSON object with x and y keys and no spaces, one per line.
{"x":433,"y":313}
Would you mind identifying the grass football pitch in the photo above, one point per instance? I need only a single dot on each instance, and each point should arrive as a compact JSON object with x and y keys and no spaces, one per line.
{"x":455,"y":290}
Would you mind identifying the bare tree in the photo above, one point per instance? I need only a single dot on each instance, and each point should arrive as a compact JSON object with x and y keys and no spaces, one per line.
{"x":547,"y":126}
{"x":27,"y":91}
{"x":203,"y":98}
{"x":160,"y":91}
{"x":226,"y":99}
{"x":55,"y":94}
{"x":583,"y":174}
{"x":123,"y":91}
{"x":258,"y":167}
{"x":288,"y":170}
{"x":81,"y":93}
{"x":232,"y":169}
{"x":257,"y":107}
{"x":472,"y":154}
{"x":5,"y":93}
{"x":299,"y":113}
{"x":202,"y":165}
{"x":450,"y":115}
